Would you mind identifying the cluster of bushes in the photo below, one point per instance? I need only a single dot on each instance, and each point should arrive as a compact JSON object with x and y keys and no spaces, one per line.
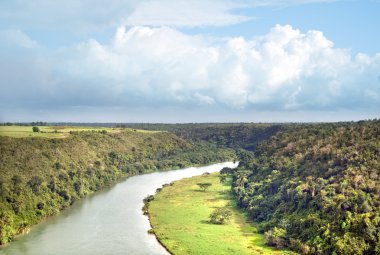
{"x":39,"y":177}
{"x":220,"y":216}
{"x":316,"y":188}
{"x":150,"y":198}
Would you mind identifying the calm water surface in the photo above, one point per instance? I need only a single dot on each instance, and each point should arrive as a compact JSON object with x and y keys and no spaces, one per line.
{"x":109,"y":222}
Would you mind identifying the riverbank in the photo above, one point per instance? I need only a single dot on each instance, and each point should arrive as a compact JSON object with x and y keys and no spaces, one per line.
{"x":40,"y":177}
{"x":109,"y":221}
{"x":180,"y":213}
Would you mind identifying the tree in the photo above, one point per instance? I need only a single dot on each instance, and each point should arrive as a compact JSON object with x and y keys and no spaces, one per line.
{"x":350,"y":244}
{"x":2,"y":189}
{"x":16,"y":181}
{"x":35,"y":183}
{"x":36,"y":129}
{"x":227,"y":170}
{"x":241,"y":180}
{"x":220,"y":216}
{"x":204,"y":185}
{"x":276,"y":237}
{"x":222,"y":178}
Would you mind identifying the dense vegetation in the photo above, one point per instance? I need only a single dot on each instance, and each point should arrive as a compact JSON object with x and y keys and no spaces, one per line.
{"x":37,"y":123}
{"x":316,"y":188}
{"x":233,"y":135}
{"x":312,"y":187}
{"x":40,"y":176}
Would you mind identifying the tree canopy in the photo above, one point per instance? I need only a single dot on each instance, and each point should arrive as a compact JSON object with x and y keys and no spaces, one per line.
{"x":315,"y":188}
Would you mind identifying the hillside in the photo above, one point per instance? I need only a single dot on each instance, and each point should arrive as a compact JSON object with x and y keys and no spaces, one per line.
{"x":40,"y":176}
{"x":233,"y":135}
{"x":316,"y":188}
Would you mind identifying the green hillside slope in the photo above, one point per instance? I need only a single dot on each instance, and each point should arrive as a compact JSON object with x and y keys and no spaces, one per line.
{"x":316,"y":188}
{"x":39,"y":176}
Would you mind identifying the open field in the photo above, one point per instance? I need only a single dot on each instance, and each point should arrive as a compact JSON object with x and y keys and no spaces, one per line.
{"x":55,"y":131}
{"x":180,"y":213}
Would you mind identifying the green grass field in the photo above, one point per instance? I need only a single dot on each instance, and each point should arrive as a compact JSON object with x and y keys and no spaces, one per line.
{"x":180,"y":213}
{"x":55,"y":131}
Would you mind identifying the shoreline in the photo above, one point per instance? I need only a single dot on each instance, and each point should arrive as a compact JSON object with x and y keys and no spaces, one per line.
{"x":158,"y":240}
{"x":185,"y":226}
{"x":148,"y":213}
{"x":103,"y":189}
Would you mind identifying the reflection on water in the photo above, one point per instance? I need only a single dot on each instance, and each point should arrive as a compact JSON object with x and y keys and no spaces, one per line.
{"x":109,"y":222}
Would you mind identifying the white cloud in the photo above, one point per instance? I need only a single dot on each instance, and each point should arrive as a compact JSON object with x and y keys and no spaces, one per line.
{"x":68,"y":15}
{"x":86,"y":16}
{"x":17,"y":38}
{"x":94,"y":15}
{"x":204,"y":98}
{"x":284,"y":70}
{"x":185,"y":13}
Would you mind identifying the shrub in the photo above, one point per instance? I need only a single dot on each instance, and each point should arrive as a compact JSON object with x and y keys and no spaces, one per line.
{"x":64,"y":194}
{"x":35,"y":183}
{"x":298,"y":246}
{"x":146,"y":204}
{"x":220,"y":216}
{"x":227,"y":170}
{"x":204,"y":185}
{"x":40,"y":206}
{"x":148,"y":199}
{"x":276,"y":237}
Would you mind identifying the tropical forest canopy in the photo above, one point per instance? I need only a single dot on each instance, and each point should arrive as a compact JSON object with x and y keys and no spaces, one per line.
{"x":316,"y":188}
{"x":313,"y":188}
{"x":39,"y":176}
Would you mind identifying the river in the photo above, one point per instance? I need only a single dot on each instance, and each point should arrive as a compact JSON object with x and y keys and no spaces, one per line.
{"x":108,"y":222}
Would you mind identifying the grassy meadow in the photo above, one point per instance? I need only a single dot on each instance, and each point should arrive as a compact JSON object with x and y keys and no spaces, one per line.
{"x":55,"y":131}
{"x":179,"y":216}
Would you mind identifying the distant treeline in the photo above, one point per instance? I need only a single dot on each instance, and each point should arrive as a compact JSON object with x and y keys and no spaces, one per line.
{"x":37,"y":123}
{"x":232,"y":135}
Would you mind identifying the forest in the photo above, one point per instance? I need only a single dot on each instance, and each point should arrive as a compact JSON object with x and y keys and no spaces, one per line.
{"x":312,"y":188}
{"x":233,"y":135}
{"x":41,"y":176}
{"x":315,"y":188}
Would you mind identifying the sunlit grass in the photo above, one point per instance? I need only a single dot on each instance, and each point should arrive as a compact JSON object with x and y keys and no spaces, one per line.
{"x":57,"y":131}
{"x":180,"y":213}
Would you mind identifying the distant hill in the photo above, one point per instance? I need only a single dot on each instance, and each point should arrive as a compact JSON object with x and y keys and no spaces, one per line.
{"x":234,"y":135}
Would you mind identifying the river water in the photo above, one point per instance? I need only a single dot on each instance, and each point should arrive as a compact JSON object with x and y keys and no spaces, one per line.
{"x":108,"y":222}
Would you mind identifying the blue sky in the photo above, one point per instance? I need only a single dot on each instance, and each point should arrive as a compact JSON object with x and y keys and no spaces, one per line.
{"x":189,"y":61}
